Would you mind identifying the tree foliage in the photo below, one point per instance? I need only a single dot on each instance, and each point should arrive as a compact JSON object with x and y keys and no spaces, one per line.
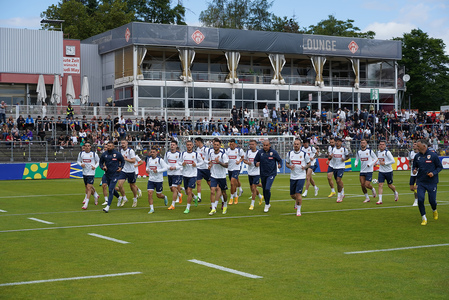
{"x":428,"y":66}
{"x":334,"y":27}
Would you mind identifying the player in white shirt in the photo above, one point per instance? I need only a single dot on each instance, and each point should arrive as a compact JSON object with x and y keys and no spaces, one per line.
{"x":89,"y":161}
{"x":218,"y":162}
{"x":138,"y":163}
{"x":298,"y":162}
{"x":413,"y":186}
{"x":386,"y":159}
{"x":330,"y":168}
{"x":311,"y":151}
{"x":190,"y":160}
{"x":235,"y":155}
{"x":253,"y":173}
{"x":174,"y":172}
{"x":337,"y":157}
{"x":128,"y":173}
{"x":155,"y":167}
{"x":203,"y":168}
{"x":367,"y":159}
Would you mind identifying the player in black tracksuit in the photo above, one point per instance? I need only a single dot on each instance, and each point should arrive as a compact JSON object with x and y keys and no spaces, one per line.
{"x":112,"y":162}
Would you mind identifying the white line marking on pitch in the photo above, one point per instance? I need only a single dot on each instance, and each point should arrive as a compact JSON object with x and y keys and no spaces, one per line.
{"x":132,"y":223}
{"x":108,"y":238}
{"x":1,"y":210}
{"x":70,"y":278}
{"x":42,"y":221}
{"x":33,"y":196}
{"x":396,"y":249}
{"x":224,"y":269}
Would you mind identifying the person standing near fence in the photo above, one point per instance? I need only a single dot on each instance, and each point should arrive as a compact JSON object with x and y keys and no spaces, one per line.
{"x":426,"y":166}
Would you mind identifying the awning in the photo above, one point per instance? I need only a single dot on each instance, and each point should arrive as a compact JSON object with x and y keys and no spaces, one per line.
{"x":85,"y":90}
{"x":277,"y":62}
{"x":41,"y":91}
{"x":186,"y":56}
{"x":318,"y":64}
{"x":70,"y":90}
{"x":356,"y":68}
{"x":56,"y":92}
{"x":233,"y":59}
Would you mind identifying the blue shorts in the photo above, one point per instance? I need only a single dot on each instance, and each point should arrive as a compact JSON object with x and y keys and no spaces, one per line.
{"x":253,"y":179}
{"x":267,"y":182}
{"x":203,"y":174}
{"x":330,"y":169}
{"x":234,"y":174}
{"x":88,"y":179}
{"x":158,"y":186}
{"x":131,"y":177}
{"x":386,"y":176}
{"x":189,"y":182}
{"x":368,"y":176}
{"x":313,"y":167}
{"x":174,"y":180}
{"x":220,"y":182}
{"x":104,"y":179}
{"x":412,"y":180}
{"x":296,"y":186}
{"x":339,"y":173}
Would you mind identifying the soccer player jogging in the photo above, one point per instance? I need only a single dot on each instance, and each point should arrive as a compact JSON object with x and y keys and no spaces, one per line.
{"x":190,"y":160}
{"x":426,"y":166}
{"x":412,"y":183}
{"x":268,"y":160}
{"x":89,"y":161}
{"x":311,"y":151}
{"x":203,"y":168}
{"x":174,"y":172}
{"x":235,"y":155}
{"x":367,"y":161}
{"x":128,"y":173}
{"x":337,"y":157}
{"x":156,"y":167}
{"x":218,"y":162}
{"x":298,"y":162}
{"x":330,"y":168}
{"x":386,"y":159}
{"x":138,"y":163}
{"x":112,"y":162}
{"x":253,"y":173}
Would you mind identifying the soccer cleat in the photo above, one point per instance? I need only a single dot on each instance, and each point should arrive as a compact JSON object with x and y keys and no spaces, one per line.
{"x":304,"y":194}
{"x":134,"y":203}
{"x":106,"y":209}
{"x":199,"y":199}
{"x":236,"y":200}
{"x":119,"y":201}
{"x":186,"y":211}
{"x":396,"y":196}
{"x":231,"y":201}
{"x":84,"y":201}
{"x":379,"y":202}
{"x":151,"y":211}
{"x":139,"y":193}
{"x":331,"y":195}
{"x":298,"y":214}
{"x":105,"y":203}
{"x":251,"y":207}
{"x":180,"y":199}
{"x":266,"y":208}
{"x":225,"y":209}
{"x":84,"y":206}
{"x":195,"y":200}
{"x":165,"y":201}
{"x":366,"y":200}
{"x":424,"y":222}
{"x":316,"y":191}
{"x":339,"y":199}
{"x":435,"y":215}
{"x":123,"y":202}
{"x":260,"y":201}
{"x":415,"y":203}
{"x":212,"y":212}
{"x":240,"y":192}
{"x":171,"y":207}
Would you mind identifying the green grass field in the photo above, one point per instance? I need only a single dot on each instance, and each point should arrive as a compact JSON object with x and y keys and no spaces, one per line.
{"x":297,"y":257}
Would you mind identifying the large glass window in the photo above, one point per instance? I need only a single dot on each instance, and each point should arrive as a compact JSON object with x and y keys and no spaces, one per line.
{"x":221,"y":93}
{"x":149,"y":91}
{"x":266,"y":95}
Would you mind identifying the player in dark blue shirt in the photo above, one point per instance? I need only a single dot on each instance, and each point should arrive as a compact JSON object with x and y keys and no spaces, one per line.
{"x":112,"y":162}
{"x":426,"y":165}
{"x":268,"y":160}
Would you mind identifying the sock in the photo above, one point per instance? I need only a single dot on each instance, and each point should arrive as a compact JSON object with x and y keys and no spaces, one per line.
{"x":316,"y":187}
{"x":124,"y":198}
{"x":424,"y":217}
{"x":339,"y":194}
{"x":396,"y":192}
{"x":106,"y":199}
{"x":305,"y":193}
{"x":151,"y":206}
{"x":222,"y":199}
{"x":199,"y":195}
{"x":87,"y":202}
{"x":380,"y":198}
{"x":343,"y":191}
{"x":179,"y":194}
{"x":366,"y":196}
{"x":215,"y":204}
{"x":225,"y":204}
{"x":252,"y":202}
{"x":85,"y":196}
{"x":134,"y":199}
{"x":373,"y":189}
{"x":298,"y":208}
{"x":173,"y":203}
{"x":240,"y":189}
{"x":96,"y":195}
{"x":188,"y":206}
{"x":332,"y":190}
{"x":138,"y":190}
{"x":260,"y":196}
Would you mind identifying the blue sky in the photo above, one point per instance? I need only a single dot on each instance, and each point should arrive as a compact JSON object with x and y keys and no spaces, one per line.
{"x":388,"y":18}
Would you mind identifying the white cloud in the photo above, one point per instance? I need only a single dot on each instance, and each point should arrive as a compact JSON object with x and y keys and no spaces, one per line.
{"x":30,"y":23}
{"x":387,"y":31}
{"x":418,"y":13}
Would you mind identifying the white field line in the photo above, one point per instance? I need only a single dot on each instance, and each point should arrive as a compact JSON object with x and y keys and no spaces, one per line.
{"x":224,"y":269}
{"x":70,"y":278}
{"x":131,"y":223}
{"x":33,"y":196}
{"x":41,"y":221}
{"x":397,"y":249}
{"x":1,"y":210}
{"x":108,"y":238}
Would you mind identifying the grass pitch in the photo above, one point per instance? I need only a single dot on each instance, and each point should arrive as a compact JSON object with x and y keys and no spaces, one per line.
{"x":297,"y":257}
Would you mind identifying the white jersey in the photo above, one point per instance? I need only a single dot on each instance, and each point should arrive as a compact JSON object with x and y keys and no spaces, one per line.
{"x":387,"y":157}
{"x":311,"y":151}
{"x":189,"y":158}
{"x":329,"y":152}
{"x":89,"y":159}
{"x":299,"y":160}
{"x":339,"y":157}
{"x":367,"y":159}
{"x":252,"y":169}
{"x":129,"y":154}
{"x":234,"y":156}
{"x":218,"y":171}
{"x":136,"y":168}
{"x":204,"y":152}
{"x":411,"y":157}
{"x":173,"y":159}
{"x":156,"y":164}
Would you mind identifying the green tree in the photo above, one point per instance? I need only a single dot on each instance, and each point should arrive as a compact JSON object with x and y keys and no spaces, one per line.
{"x":285,"y":24}
{"x":428,"y":66}
{"x":334,"y":27}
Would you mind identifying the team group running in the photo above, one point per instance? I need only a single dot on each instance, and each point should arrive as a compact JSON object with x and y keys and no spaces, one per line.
{"x":190,"y":167}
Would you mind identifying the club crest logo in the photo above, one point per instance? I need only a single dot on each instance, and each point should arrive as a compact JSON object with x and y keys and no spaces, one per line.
{"x":353,"y":47}
{"x":198,"y":37}
{"x":127,"y":34}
